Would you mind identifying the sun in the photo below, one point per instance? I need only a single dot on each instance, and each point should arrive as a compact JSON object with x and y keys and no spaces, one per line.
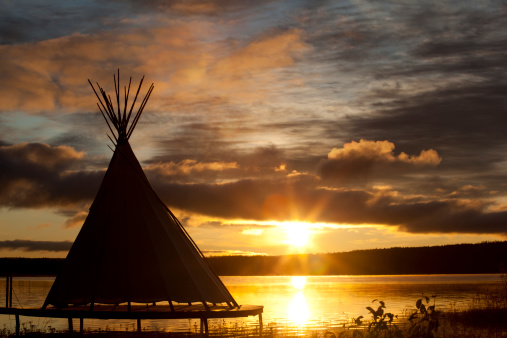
{"x":298,"y":234}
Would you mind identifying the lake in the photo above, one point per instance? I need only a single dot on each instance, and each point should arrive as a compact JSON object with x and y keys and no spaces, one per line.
{"x":311,"y":301}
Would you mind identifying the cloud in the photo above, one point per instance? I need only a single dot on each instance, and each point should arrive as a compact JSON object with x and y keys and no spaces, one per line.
{"x":236,"y":163}
{"x":42,"y":226}
{"x":231,"y":253}
{"x":50,"y":75}
{"x":195,"y":7}
{"x":31,"y":181}
{"x":366,"y":160}
{"x":42,"y":155}
{"x":76,"y":221}
{"x":381,"y":151}
{"x":268,"y":52}
{"x":189,"y":170}
{"x":27,"y":245}
{"x":302,"y":199}
{"x":37,"y":175}
{"x":252,"y":232}
{"x":458,"y":120}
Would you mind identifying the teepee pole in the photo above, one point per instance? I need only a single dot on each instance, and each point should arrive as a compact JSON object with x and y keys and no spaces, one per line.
{"x":111,"y":129}
{"x":117,"y":92}
{"x":127,"y":92}
{"x":98,"y":97}
{"x":139,"y":112}
{"x":135,"y":98}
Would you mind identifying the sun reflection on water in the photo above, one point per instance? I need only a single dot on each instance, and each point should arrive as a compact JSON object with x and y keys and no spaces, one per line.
{"x":299,"y":282}
{"x":298,"y":311}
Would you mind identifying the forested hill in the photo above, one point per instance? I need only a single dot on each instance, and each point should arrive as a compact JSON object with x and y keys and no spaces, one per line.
{"x":462,"y":258}
{"x":486,"y":257}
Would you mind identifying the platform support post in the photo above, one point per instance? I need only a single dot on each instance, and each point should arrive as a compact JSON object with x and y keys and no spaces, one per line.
{"x":81,"y":325}
{"x":71,"y":328}
{"x":139,"y":325}
{"x":10,"y":290}
{"x":7,"y":288}
{"x":17,"y":324}
{"x":204,"y":326}
{"x":260,"y":324}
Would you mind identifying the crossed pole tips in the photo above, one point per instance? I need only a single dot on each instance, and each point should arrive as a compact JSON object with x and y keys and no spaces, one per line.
{"x":120,"y":118}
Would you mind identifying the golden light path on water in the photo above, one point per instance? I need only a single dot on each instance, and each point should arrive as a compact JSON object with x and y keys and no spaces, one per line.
{"x":297,"y":310}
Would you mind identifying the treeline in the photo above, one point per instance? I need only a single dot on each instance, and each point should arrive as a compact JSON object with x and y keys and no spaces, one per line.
{"x":486,"y":257}
{"x":30,"y":266}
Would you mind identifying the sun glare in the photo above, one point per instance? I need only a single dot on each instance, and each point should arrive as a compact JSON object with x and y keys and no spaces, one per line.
{"x":298,"y":234}
{"x":298,"y":282}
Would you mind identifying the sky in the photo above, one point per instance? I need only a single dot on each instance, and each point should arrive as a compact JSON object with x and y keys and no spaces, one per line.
{"x":275,"y":127}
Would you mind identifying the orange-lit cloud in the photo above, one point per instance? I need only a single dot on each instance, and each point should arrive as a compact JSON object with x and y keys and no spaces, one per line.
{"x":365,"y":160}
{"x":76,"y":220}
{"x":267,"y":53}
{"x":43,"y":226}
{"x":187,"y":169}
{"x":382,"y":151}
{"x":51,"y":75}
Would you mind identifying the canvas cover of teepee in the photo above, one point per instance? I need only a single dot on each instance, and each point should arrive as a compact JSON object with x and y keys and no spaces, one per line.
{"x":131,"y":248}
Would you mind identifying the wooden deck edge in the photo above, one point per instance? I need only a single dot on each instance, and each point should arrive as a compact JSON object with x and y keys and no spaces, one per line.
{"x":244,"y":311}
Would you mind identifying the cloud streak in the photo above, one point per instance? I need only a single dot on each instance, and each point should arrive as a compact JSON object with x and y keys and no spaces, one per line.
{"x":27,"y":245}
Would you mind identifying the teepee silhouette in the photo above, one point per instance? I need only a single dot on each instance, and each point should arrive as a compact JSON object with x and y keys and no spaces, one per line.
{"x":131,"y":248}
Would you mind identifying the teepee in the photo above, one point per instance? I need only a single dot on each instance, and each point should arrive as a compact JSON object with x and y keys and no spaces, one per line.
{"x":131,"y":248}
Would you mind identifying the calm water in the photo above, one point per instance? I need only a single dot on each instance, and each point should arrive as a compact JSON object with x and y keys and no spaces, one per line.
{"x":294,"y":301}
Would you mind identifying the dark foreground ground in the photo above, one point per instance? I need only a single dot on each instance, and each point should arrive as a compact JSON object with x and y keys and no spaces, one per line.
{"x":476,"y":323}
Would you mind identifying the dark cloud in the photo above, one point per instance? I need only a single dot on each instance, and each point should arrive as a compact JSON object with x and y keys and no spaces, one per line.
{"x":197,"y":141}
{"x":449,"y":95}
{"x":30,"y":21}
{"x":88,"y":135}
{"x":301,"y":198}
{"x":463,"y":124}
{"x":38,"y":175}
{"x":27,"y":245}
{"x":196,"y":7}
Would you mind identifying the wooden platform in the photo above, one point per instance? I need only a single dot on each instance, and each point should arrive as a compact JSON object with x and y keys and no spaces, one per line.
{"x":139,"y":312}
